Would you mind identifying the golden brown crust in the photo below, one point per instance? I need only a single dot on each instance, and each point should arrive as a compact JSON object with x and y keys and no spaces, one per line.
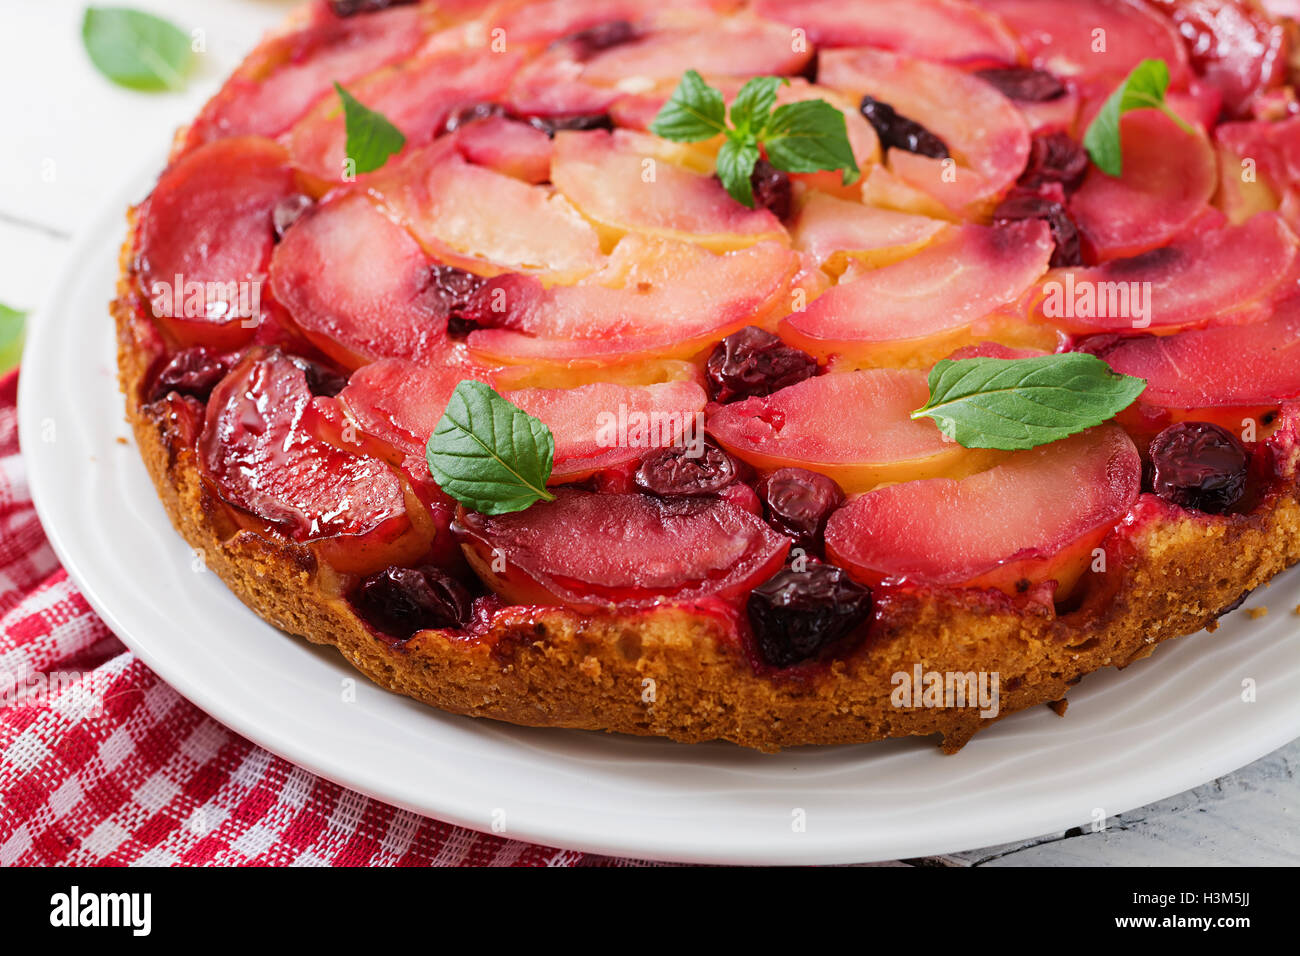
{"x":683,"y":674}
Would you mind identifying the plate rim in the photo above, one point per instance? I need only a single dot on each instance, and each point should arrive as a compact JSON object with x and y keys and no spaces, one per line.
{"x":103,"y":231}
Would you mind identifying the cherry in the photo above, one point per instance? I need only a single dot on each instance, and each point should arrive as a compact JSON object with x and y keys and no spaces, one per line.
{"x":676,"y":471}
{"x":772,"y":189}
{"x":347,"y":8}
{"x":1055,"y":158}
{"x":795,"y":614}
{"x":587,"y":43}
{"x":403,"y":601}
{"x":455,"y":288}
{"x":798,"y":502}
{"x":287,"y":211}
{"x":472,"y":114}
{"x":194,"y":372}
{"x":896,"y":130}
{"x":1200,"y":466}
{"x":752,"y":362}
{"x":1023,"y":84}
{"x":550,"y":125}
{"x":321,"y":380}
{"x":1022,"y":204}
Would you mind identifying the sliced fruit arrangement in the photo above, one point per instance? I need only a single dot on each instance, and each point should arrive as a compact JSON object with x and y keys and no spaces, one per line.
{"x":812,"y":341}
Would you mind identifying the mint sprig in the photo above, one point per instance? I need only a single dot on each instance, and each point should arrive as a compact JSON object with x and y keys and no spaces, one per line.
{"x":135,"y":49}
{"x":801,"y":137}
{"x":1143,"y":88}
{"x":371,"y":137}
{"x":1011,"y":404}
{"x":488,"y":454}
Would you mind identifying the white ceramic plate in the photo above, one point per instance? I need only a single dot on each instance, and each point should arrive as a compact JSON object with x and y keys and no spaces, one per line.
{"x":1162,"y":726}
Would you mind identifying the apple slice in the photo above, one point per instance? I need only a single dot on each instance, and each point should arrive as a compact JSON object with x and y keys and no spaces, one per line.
{"x":625,"y":183}
{"x":546,"y":21}
{"x":914,"y":311}
{"x":486,"y":222}
{"x":833,"y":231}
{"x":654,"y":298}
{"x":417,"y":96}
{"x":1092,"y":38}
{"x":806,"y":425}
{"x":1034,"y":518}
{"x":949,"y":30}
{"x":604,"y":425}
{"x":506,"y":146}
{"x":204,"y":240}
{"x":985,"y":133}
{"x":1259,"y":164}
{"x":255,"y":452}
{"x":633,"y":551}
{"x":280,"y":80}
{"x":1228,"y":366}
{"x":358,"y":286}
{"x":1167,"y":181}
{"x":1215,"y":273}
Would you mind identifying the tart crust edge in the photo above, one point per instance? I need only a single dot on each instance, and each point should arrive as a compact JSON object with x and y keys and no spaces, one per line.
{"x":682,"y":674}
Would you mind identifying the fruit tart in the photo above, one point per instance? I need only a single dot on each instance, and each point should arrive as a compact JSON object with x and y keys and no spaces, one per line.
{"x":712,"y":369}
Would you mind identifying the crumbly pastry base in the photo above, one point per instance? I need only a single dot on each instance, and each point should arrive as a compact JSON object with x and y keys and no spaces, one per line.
{"x":683,"y":674}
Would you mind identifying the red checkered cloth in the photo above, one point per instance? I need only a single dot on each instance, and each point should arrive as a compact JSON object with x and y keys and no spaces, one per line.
{"x":144,"y":776}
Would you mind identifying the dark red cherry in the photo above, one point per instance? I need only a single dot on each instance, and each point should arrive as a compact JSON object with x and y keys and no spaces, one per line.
{"x":1200,"y":466}
{"x":550,"y":125}
{"x":1022,"y":204}
{"x":753,"y":362}
{"x":194,"y":372}
{"x":796,"y":613}
{"x":798,"y":502}
{"x":455,"y":288}
{"x":772,"y":190}
{"x":1024,"y":84}
{"x":897,"y":131}
{"x":1055,"y":158}
{"x":403,"y":601}
{"x":287,"y":211}
{"x":682,"y":470}
{"x":348,"y":8}
{"x":587,"y":43}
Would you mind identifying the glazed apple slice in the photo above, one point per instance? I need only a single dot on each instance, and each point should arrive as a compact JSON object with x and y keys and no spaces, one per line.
{"x":1034,"y":518}
{"x":288,"y":72}
{"x":486,"y":222}
{"x":654,"y":298}
{"x":358,"y":286}
{"x":806,"y":425}
{"x":509,"y":147}
{"x":1224,"y":367}
{"x":1259,"y":164}
{"x":1168,"y":178}
{"x":257,"y":455}
{"x":985,"y":133}
{"x":1216,"y":273}
{"x":204,"y":240}
{"x":834,"y":230}
{"x":1091,"y":38}
{"x":635,"y":551}
{"x":949,"y":30}
{"x":604,"y":176}
{"x":920,"y":308}
{"x":605,"y":425}
{"x":417,"y":96}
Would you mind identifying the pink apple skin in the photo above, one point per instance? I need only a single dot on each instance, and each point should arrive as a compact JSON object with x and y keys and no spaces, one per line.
{"x":1035,"y":517}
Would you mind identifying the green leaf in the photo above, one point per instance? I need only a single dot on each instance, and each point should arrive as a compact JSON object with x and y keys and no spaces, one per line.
{"x":753,"y":104}
{"x":371,"y":138}
{"x":736,"y":162}
{"x":693,"y":113}
{"x":136,"y":50}
{"x":488,"y":454}
{"x":13,"y":328}
{"x":807,"y":136}
{"x":1022,"y":403}
{"x":1143,"y":88}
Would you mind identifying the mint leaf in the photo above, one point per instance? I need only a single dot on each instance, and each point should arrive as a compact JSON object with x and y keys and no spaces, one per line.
{"x":488,"y":454}
{"x":1143,"y":88}
{"x":371,"y":138}
{"x":735,"y":166}
{"x":13,"y":326}
{"x":807,"y":136}
{"x":753,"y":104}
{"x":136,"y":50}
{"x":693,"y":113}
{"x":1022,"y":403}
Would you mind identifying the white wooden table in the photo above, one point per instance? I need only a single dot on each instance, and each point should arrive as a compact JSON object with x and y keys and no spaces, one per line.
{"x":69,"y":136}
